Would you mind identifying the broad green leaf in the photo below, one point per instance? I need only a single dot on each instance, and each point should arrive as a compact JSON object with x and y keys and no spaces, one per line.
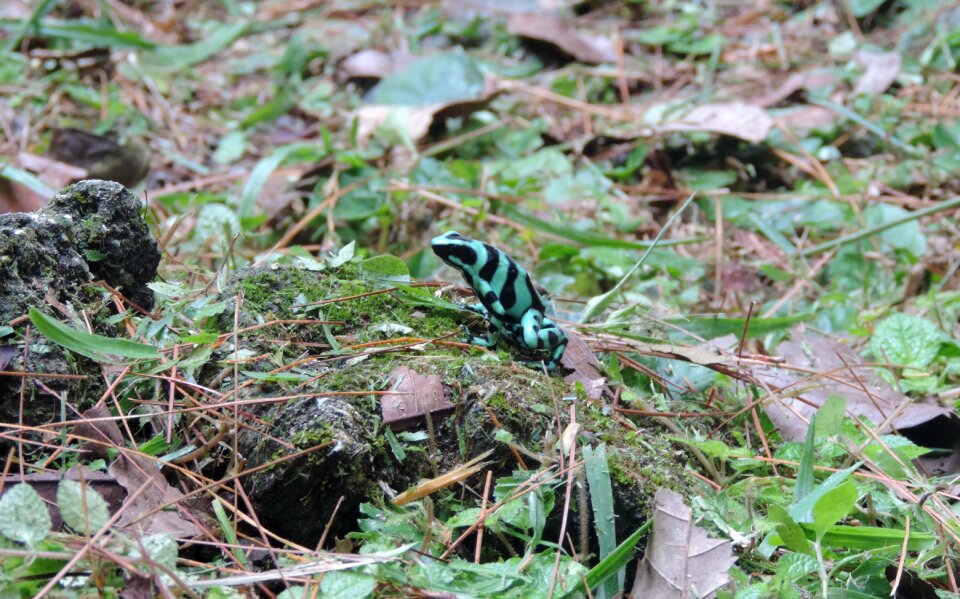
{"x":162,"y":549}
{"x":86,"y":344}
{"x":231,"y":148}
{"x":830,"y":416}
{"x":802,"y":511}
{"x":906,"y":340}
{"x":344,"y":255}
{"x":83,"y":509}
{"x":790,"y":533}
{"x":833,"y":506}
{"x":23,"y":516}
{"x":432,"y":80}
{"x":907,"y":236}
{"x":387,"y":268}
{"x":347,"y":583}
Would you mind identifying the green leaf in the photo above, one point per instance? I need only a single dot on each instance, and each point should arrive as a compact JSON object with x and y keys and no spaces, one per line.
{"x":88,"y":32}
{"x":175,"y":58}
{"x":802,"y":511}
{"x":718,"y":326}
{"x":613,"y":563}
{"x":862,"y":8}
{"x":86,"y":344}
{"x":906,"y":340}
{"x":790,"y":533}
{"x":436,"y":79}
{"x":833,"y":506}
{"x":28,"y":180}
{"x":344,"y":255}
{"x":266,"y":166}
{"x":229,"y":532}
{"x":598,"y":304}
{"x":83,"y":509}
{"x":601,"y":499}
{"x":348,"y":583}
{"x":23,"y":516}
{"x":231,"y":148}
{"x":385,"y":268}
{"x":830,"y":416}
{"x":868,"y":537}
{"x":907,"y":236}
{"x":804,"y":484}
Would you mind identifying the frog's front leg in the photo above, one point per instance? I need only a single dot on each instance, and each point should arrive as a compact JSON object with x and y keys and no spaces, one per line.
{"x":541,"y":333}
{"x":491,"y":337}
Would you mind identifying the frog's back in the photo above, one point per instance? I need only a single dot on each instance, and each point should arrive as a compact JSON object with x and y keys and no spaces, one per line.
{"x":509,"y":282}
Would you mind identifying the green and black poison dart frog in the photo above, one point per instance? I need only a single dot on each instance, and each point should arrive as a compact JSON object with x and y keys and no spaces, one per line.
{"x":507,"y":297}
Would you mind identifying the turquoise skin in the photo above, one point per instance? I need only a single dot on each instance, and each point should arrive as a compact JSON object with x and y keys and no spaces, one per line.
{"x":508,"y":299}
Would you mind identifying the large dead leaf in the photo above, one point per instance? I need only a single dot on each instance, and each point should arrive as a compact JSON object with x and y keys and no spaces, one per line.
{"x":580,"y":358}
{"x":411,"y":396}
{"x":143,"y":510}
{"x":681,"y":560}
{"x":736,"y":119}
{"x":563,"y":35}
{"x":880,"y":71}
{"x":824,"y":367}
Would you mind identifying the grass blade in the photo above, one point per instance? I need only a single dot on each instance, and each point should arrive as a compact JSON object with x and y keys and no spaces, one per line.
{"x":87,"y":344}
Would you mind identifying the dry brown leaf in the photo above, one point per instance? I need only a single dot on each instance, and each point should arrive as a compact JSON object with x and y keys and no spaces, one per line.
{"x":416,"y":118}
{"x":880,"y":71}
{"x":146,"y":511}
{"x":837,"y":370}
{"x":580,"y":358}
{"x":681,"y":560}
{"x":736,"y":119}
{"x":15,"y":197}
{"x":560,"y":33}
{"x":806,"y":81}
{"x":411,"y":396}
{"x":806,"y":118}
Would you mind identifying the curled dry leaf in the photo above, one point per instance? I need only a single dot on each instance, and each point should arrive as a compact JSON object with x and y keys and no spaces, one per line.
{"x":681,"y":560}
{"x":880,"y":71}
{"x":822,"y":366}
{"x":562,"y":34}
{"x":736,"y":119}
{"x":411,"y":396}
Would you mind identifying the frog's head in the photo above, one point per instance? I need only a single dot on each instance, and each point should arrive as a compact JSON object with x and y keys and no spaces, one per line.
{"x":456,"y":250}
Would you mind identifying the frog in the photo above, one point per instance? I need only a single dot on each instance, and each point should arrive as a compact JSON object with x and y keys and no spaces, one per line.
{"x":508,"y":300}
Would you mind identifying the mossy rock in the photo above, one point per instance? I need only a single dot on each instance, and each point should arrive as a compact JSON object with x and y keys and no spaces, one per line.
{"x":91,"y":231}
{"x":333,"y":401}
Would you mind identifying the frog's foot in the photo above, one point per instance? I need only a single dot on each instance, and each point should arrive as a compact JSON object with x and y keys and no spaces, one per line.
{"x":487,"y":340}
{"x":479,"y":309}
